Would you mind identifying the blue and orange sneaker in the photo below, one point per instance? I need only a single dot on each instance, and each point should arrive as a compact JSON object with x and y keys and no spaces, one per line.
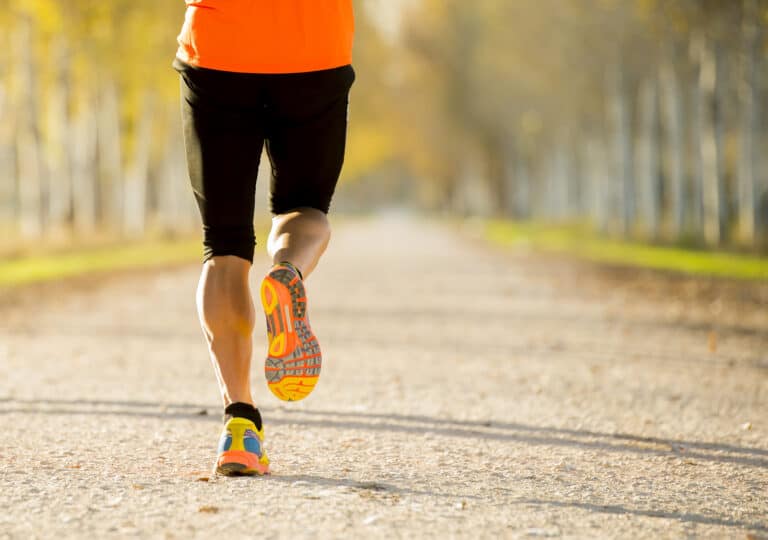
{"x":294,"y":360}
{"x":241,"y":449}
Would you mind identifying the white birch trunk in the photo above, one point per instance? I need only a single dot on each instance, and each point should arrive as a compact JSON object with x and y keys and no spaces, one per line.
{"x":600,"y":183}
{"x":561,"y":175}
{"x":713,"y":183}
{"x":550,"y":193}
{"x":57,"y":149}
{"x":540,"y":185}
{"x":109,"y":148}
{"x":522,"y":174}
{"x":748,"y":168}
{"x":28,"y":151}
{"x":648,"y":158}
{"x":494,"y":174}
{"x":175,"y":194}
{"x":622,"y":121}
{"x":576,"y":177}
{"x":672,"y":110}
{"x":510,"y":180}
{"x":696,"y":126}
{"x":579,"y":176}
{"x":84,"y":181}
{"x":135,"y":184}
{"x":8,"y":195}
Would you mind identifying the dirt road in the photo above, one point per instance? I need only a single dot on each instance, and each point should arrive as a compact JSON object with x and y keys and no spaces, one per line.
{"x":466,"y":392}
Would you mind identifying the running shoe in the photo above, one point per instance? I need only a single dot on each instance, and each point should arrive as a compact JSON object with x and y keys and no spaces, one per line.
{"x":241,"y":449}
{"x":293,"y":361}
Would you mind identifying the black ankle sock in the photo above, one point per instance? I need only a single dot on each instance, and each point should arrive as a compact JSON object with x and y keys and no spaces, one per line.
{"x":243,"y":410}
{"x":293,"y":266}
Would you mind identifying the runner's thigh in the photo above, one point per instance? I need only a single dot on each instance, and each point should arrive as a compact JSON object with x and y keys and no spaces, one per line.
{"x":306,"y":136}
{"x":223,"y":119}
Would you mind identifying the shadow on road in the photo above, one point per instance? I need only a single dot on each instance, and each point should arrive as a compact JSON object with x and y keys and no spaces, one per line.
{"x":371,"y":487}
{"x":422,"y":425}
{"x":686,"y":517}
{"x":413,"y":424}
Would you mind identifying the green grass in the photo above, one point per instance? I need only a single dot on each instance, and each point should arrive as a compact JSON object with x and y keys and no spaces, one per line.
{"x":51,"y":260}
{"x":36,"y":268}
{"x":581,"y":242}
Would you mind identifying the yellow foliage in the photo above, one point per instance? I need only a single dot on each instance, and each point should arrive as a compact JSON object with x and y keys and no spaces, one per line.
{"x":368,"y":147}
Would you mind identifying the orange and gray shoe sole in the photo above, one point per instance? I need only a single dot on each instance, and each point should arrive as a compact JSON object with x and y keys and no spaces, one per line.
{"x":293,"y":362}
{"x":240,"y":463}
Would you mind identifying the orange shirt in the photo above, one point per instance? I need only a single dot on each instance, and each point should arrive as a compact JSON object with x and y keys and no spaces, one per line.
{"x":267,"y":36}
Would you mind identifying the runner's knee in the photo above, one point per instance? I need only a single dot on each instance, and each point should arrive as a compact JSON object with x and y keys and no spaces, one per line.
{"x":238,"y":241}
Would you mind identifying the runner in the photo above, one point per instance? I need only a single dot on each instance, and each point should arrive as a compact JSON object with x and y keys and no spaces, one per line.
{"x":274,"y":73}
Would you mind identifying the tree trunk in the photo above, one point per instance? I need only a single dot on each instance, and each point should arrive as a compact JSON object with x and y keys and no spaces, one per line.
{"x":541,"y":173}
{"x":475,"y":195}
{"x":8,"y":194}
{"x":522,"y":190}
{"x":696,"y":126}
{"x":174,"y":192}
{"x":493,"y":149}
{"x":57,"y":150}
{"x":574,"y":163}
{"x":110,"y":156}
{"x":562,"y":179}
{"x":599,"y":192}
{"x":509,"y":158}
{"x":552,"y":180}
{"x":579,"y":190}
{"x":648,"y":158}
{"x":28,"y":152}
{"x":84,"y":172}
{"x":135,"y":187}
{"x":749,"y":127}
{"x":622,"y":121}
{"x":672,"y":104}
{"x":713,"y":186}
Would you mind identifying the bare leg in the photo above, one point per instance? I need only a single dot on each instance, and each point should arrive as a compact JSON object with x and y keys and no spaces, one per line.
{"x":299,"y":237}
{"x":224,"y":300}
{"x":226,"y":313}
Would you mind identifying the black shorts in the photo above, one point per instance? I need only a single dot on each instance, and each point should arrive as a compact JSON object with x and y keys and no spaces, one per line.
{"x":228,"y":118}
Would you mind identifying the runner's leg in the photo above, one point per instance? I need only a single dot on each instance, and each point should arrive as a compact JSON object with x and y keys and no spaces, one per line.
{"x":306,"y":141}
{"x":223,"y":135}
{"x":299,"y":237}
{"x":227,"y":316}
{"x":306,"y":136}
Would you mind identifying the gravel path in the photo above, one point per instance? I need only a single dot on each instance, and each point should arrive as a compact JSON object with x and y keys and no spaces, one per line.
{"x":466,"y":392}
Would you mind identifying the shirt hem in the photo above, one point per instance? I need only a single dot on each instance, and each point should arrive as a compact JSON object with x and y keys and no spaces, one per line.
{"x":182,"y":62}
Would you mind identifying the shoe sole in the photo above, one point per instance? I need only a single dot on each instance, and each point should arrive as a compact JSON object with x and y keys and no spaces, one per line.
{"x":239,"y":463}
{"x":293,"y":363}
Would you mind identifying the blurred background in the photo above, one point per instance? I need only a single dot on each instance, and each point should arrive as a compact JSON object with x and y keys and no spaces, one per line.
{"x":639,"y":119}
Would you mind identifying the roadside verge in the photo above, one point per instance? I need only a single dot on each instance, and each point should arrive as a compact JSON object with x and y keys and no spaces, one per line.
{"x":581,"y":243}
